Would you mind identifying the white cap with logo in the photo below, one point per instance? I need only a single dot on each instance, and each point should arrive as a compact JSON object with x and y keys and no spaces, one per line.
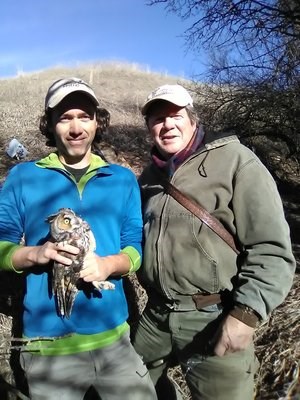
{"x":175,"y":94}
{"x":63,"y":87}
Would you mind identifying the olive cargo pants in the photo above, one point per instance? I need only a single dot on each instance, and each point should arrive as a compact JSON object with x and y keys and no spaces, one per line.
{"x":187,"y":334}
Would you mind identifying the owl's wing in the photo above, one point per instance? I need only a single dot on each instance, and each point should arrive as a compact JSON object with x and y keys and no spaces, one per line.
{"x":64,"y":285}
{"x":70,"y":284}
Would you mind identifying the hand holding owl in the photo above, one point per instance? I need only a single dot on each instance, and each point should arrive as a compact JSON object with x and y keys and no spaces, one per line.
{"x":96,"y":270}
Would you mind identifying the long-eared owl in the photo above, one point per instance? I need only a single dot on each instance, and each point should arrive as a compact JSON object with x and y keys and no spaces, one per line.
{"x":68,"y":227}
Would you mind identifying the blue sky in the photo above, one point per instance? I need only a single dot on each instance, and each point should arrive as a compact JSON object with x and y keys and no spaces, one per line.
{"x":38,"y":34}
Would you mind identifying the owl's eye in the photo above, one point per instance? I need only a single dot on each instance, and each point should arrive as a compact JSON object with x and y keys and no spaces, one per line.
{"x":67,"y":220}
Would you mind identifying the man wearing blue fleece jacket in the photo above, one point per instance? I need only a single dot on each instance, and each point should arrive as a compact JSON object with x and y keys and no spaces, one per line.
{"x":92,"y":347}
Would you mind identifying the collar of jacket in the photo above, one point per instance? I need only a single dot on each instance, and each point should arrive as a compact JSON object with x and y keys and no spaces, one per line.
{"x":52,"y":161}
{"x":212,"y":140}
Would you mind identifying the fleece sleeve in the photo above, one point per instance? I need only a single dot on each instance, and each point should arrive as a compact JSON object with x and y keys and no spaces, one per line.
{"x":132,"y":226}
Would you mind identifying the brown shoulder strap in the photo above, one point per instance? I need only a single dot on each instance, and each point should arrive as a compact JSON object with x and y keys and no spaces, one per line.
{"x":200,"y":212}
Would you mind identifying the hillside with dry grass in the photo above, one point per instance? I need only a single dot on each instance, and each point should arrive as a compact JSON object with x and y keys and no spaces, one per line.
{"x":122,"y":89}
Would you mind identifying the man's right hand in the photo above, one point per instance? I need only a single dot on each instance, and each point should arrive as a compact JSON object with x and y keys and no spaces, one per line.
{"x":28,"y":256}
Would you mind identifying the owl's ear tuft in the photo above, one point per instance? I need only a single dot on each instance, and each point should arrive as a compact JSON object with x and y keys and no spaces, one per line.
{"x":51,"y":218}
{"x":66,"y":210}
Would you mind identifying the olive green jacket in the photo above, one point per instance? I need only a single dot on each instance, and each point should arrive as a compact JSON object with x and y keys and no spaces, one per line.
{"x":183,"y":256}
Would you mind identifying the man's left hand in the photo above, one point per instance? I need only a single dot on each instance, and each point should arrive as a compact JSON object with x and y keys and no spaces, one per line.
{"x":233,"y":335}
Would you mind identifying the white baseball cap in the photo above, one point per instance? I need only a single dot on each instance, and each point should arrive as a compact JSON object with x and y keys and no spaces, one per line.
{"x":63,"y":87}
{"x":175,"y":94}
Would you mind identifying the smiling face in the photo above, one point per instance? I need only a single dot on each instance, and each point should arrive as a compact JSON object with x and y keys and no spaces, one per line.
{"x":74,"y":125}
{"x":170,"y":127}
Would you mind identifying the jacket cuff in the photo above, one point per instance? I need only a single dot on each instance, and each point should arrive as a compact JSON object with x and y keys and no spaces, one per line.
{"x":246,"y":315}
{"x":7,"y":250}
{"x":135,"y":258}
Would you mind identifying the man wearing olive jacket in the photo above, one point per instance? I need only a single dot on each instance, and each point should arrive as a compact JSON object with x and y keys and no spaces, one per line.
{"x":211,"y":334}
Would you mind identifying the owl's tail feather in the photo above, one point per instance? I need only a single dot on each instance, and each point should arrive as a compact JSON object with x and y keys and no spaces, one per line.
{"x":58,"y":288}
{"x":69,"y":298}
{"x":60,"y":298}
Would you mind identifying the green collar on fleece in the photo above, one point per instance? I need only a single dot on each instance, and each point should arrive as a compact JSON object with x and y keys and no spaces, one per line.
{"x":52,"y":161}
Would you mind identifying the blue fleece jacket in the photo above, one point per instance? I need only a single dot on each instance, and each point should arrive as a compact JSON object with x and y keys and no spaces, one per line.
{"x":108,"y":198}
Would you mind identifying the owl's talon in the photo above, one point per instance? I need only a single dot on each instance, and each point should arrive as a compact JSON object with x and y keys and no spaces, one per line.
{"x":104,"y":285}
